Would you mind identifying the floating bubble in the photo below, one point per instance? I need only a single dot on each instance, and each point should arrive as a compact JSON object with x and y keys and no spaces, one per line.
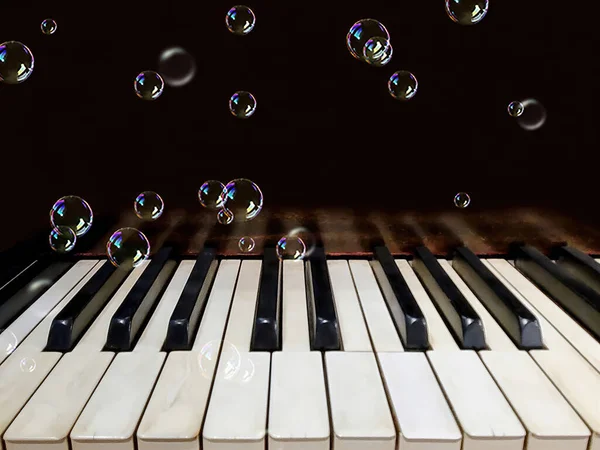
{"x":16,"y":62}
{"x":403,"y":85}
{"x":62,"y":239}
{"x":246,"y":244}
{"x":177,"y":66}
{"x":48,"y":26}
{"x":467,"y":12}
{"x":224,"y":216}
{"x":8,"y":342}
{"x":533,"y":116}
{"x":242,"y":104}
{"x":243,"y":198}
{"x":209,"y":194}
{"x":515,"y":109}
{"x":378,"y":51}
{"x":127,"y":248}
{"x":73,"y":212}
{"x":307,"y":237}
{"x":27,"y":365}
{"x":148,"y":85}
{"x":148,"y":205}
{"x":291,"y":247}
{"x":240,"y":20}
{"x":462,"y":200}
{"x":229,"y":362}
{"x":361,"y":32}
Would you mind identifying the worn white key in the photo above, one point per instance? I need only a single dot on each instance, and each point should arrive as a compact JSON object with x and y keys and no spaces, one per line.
{"x":295,"y":314}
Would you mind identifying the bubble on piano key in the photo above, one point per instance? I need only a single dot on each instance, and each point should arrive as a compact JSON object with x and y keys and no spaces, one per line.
{"x":209,"y":194}
{"x":246,"y":244}
{"x":177,"y":66}
{"x":127,"y":248}
{"x":307,"y":237}
{"x":361,"y":32}
{"x":27,"y":365}
{"x":148,"y":85}
{"x":247,"y":369}
{"x":240,"y":20}
{"x":229,"y":363}
{"x":8,"y":342}
{"x":224,"y":216}
{"x":533,"y":116}
{"x":403,"y":85}
{"x":148,"y":205}
{"x":62,"y":239}
{"x":73,"y":212}
{"x":462,"y":200}
{"x":16,"y":62}
{"x":290,"y":247}
{"x":243,"y":198}
{"x":242,"y":104}
{"x":515,"y":109}
{"x":467,"y":12}
{"x":378,"y":51}
{"x":49,"y":26}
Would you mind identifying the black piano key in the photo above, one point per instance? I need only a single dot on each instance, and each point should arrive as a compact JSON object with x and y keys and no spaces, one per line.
{"x":188,"y":312}
{"x":457,"y":312}
{"x":323,"y":322}
{"x":514,"y":318}
{"x":580,"y":265}
{"x":75,"y":318}
{"x":404,"y":309}
{"x":25,"y":260}
{"x":579,"y":300}
{"x":128,"y":321}
{"x":266,"y":333}
{"x":18,"y":295}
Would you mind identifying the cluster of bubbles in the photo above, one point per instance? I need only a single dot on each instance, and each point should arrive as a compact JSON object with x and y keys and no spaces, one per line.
{"x":530,"y":113}
{"x":71,"y":217}
{"x":240,"y":199}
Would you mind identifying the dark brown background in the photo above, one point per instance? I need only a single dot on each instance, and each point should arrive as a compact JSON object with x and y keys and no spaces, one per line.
{"x":327,"y":140}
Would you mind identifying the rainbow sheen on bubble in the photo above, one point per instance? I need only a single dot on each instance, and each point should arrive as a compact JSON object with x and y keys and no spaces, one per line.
{"x":361,"y":32}
{"x":515,"y":109}
{"x":378,"y":51}
{"x":291,"y":247}
{"x":462,"y":200}
{"x":240,"y":20}
{"x":49,"y":26}
{"x":16,"y":62}
{"x":242,"y":104}
{"x":149,"y":205}
{"x":224,"y":216}
{"x":209,"y":194}
{"x":246,"y":244}
{"x":176,"y":66}
{"x":243,"y":198}
{"x":403,"y":85}
{"x":62,"y":239}
{"x":127,"y":248}
{"x":148,"y":85}
{"x":467,"y":12}
{"x":73,"y":212}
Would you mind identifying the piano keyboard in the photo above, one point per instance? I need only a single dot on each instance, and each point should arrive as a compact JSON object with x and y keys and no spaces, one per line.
{"x":228,"y":354}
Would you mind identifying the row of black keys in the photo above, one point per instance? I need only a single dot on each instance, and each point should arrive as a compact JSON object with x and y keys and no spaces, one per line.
{"x":574,"y":284}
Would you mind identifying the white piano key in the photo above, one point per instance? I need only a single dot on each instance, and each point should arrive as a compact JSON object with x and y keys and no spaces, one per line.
{"x":353,"y":329}
{"x":360,"y":414}
{"x":379,"y":322}
{"x":295,"y":313}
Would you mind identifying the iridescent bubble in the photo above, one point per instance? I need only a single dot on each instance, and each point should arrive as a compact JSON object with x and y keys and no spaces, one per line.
{"x":290,"y":247}
{"x":240,"y":20}
{"x":62,"y":239}
{"x":243,"y":198}
{"x":48,"y":26}
{"x":378,"y":51}
{"x":246,"y":244}
{"x":209,"y":194}
{"x":361,"y":32}
{"x":27,"y":365}
{"x":148,"y":85}
{"x":176,"y":66}
{"x":307,"y":237}
{"x":515,"y":109}
{"x":127,"y":248}
{"x":533,"y":116}
{"x":224,"y":216}
{"x":467,"y":12}
{"x":16,"y":62}
{"x":148,"y":205}
{"x":242,"y":104}
{"x":462,"y":200}
{"x":73,"y":212}
{"x":403,"y":85}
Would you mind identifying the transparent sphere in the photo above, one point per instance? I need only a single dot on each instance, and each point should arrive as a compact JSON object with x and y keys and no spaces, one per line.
{"x":243,"y":198}
{"x":403,"y":85}
{"x":515,"y":109}
{"x":27,"y":365}
{"x":467,"y":12}
{"x":209,"y":194}
{"x":48,"y":26}
{"x":127,"y":248}
{"x":533,"y":116}
{"x":62,"y":239}
{"x":148,"y":205}
{"x":176,"y":66}
{"x":361,"y":32}
{"x":462,"y":200}
{"x":378,"y":51}
{"x":307,"y":237}
{"x":246,"y":244}
{"x":291,"y":247}
{"x":73,"y":212}
{"x":16,"y":62}
{"x":8,"y":342}
{"x":224,"y":216}
{"x":242,"y":104}
{"x":148,"y":85}
{"x":240,"y":20}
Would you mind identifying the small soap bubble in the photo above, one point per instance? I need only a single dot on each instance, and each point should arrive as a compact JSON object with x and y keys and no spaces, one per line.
{"x":127,"y":248}
{"x":243,"y":198}
{"x":8,"y":342}
{"x":291,"y":247}
{"x":148,"y":85}
{"x":48,"y":26}
{"x":240,"y":20}
{"x":403,"y":85}
{"x":307,"y":237}
{"x":515,"y":109}
{"x":73,"y":212}
{"x":378,"y":51}
{"x":467,"y":12}
{"x":209,"y":194}
{"x":242,"y":104}
{"x":462,"y":200}
{"x":16,"y":62}
{"x":177,"y":66}
{"x":148,"y":205}
{"x":229,"y":361}
{"x":27,"y":365}
{"x":224,"y":216}
{"x":533,"y":116}
{"x":62,"y":239}
{"x":246,"y":244}
{"x":361,"y":32}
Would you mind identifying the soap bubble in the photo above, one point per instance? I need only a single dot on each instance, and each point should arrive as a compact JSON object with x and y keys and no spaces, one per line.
{"x":48,"y":26}
{"x":378,"y":51}
{"x":403,"y":85}
{"x":148,"y":85}
{"x":242,"y":104}
{"x":16,"y":62}
{"x":62,"y":239}
{"x":533,"y":116}
{"x":515,"y":109}
{"x":290,"y":247}
{"x":243,"y":198}
{"x":467,"y":12}
{"x":176,"y":66}
{"x":127,"y":248}
{"x":148,"y":205}
{"x":73,"y":212}
{"x":209,"y":194}
{"x":224,"y":216}
{"x":361,"y":32}
{"x":246,"y":244}
{"x":240,"y":20}
{"x":462,"y":200}
{"x":307,"y":237}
